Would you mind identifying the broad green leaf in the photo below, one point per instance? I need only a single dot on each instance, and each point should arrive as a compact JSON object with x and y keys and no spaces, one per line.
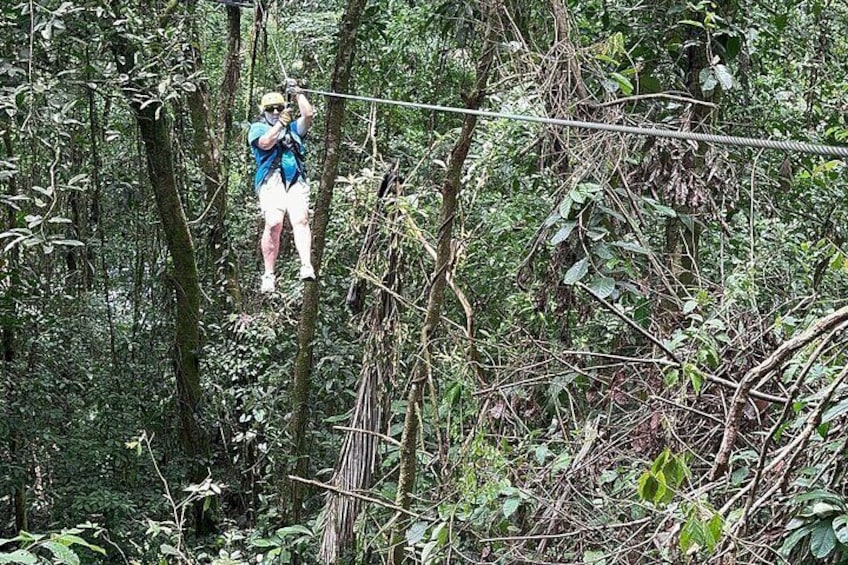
{"x":707,"y":80}
{"x":542,"y":453}
{"x":4,"y":541}
{"x":630,"y":246}
{"x":835,"y":411}
{"x":822,"y":539}
{"x":416,"y":532}
{"x":428,"y":551}
{"x":673,"y":472}
{"x":263,"y":542}
{"x":576,"y":272}
{"x":62,"y":553}
{"x":563,"y":232}
{"x":724,"y":77}
{"x":578,"y":195}
{"x":714,"y":529}
{"x":296,"y":529}
{"x":69,"y":538}
{"x":167,"y":549}
{"x":565,"y":207}
{"x":510,"y":506}
{"x":594,"y":558}
{"x":602,"y":286}
{"x":660,"y":461}
{"x":623,"y":83}
{"x":563,"y":461}
{"x":664,"y":210}
{"x":648,"y":486}
{"x":20,"y":556}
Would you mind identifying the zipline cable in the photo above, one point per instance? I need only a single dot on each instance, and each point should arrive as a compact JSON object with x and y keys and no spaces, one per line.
{"x":783,"y":145}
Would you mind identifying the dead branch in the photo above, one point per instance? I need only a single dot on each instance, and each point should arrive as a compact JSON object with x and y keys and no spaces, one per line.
{"x":774,"y":361}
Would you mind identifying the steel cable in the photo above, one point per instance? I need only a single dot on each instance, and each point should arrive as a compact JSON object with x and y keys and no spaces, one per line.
{"x":782,"y":145}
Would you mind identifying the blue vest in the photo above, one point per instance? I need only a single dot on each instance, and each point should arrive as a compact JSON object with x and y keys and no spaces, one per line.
{"x":287,"y":162}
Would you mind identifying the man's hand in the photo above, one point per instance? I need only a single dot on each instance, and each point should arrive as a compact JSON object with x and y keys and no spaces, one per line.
{"x":292,"y":89}
{"x":286,"y":117}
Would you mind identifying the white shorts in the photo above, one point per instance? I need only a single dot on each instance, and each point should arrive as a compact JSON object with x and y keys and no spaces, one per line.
{"x":273,"y":195}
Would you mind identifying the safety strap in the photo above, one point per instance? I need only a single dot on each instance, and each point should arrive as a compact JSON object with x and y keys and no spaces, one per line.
{"x":288,"y":143}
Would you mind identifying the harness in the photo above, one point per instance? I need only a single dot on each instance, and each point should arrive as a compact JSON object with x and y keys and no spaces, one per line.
{"x":285,"y":144}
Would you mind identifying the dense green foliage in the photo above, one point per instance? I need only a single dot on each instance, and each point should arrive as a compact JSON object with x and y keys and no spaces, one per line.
{"x":607,"y":293}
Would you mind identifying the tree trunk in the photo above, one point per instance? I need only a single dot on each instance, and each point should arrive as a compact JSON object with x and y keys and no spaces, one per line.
{"x":211,"y":164}
{"x":232,"y":74}
{"x":156,"y":135}
{"x":157,"y":141}
{"x":421,"y":371}
{"x":309,"y":310}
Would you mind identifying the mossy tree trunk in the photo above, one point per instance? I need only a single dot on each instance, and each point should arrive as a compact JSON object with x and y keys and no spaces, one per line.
{"x":155,"y":131}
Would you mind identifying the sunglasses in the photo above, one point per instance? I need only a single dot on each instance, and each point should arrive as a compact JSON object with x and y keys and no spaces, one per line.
{"x":275,"y":108}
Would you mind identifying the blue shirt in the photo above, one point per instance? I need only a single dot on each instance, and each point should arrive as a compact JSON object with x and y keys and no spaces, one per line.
{"x":265,"y":157}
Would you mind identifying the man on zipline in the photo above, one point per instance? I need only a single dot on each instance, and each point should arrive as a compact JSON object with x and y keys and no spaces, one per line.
{"x":280,"y":180}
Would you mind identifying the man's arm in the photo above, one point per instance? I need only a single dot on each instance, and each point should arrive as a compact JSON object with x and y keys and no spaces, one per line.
{"x":307,"y":112}
{"x":269,"y":139}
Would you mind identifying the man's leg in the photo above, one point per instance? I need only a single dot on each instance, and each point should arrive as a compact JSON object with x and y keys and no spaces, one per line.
{"x":272,"y":197}
{"x":271,"y":238}
{"x":299,"y":217}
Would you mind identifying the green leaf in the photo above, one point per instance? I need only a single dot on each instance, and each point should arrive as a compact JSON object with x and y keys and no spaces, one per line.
{"x":563,"y":461}
{"x":416,"y":532}
{"x":623,"y":83}
{"x":648,"y":486}
{"x":714,"y":529}
{"x":724,"y":77}
{"x":510,"y":506}
{"x":630,"y":246}
{"x":563,"y":232}
{"x":660,"y":461}
{"x":673,"y":472}
{"x":70,"y":539}
{"x":835,"y":411}
{"x":565,"y":207}
{"x":707,"y":79}
{"x":594,"y":558}
{"x":602,"y":286}
{"x":427,"y":552}
{"x":62,"y":553}
{"x":263,"y":542}
{"x":576,"y":272}
{"x":671,"y":377}
{"x":19,"y":556}
{"x":296,"y":529}
{"x":167,"y":549}
{"x":822,"y":539}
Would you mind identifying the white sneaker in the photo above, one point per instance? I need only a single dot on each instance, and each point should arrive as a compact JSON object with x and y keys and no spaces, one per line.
{"x":307,"y":273}
{"x":267,"y":285}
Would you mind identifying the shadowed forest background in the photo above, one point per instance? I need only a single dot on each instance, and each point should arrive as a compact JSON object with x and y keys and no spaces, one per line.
{"x":526,"y":344}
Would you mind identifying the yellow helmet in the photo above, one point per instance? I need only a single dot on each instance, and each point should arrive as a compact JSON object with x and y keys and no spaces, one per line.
{"x":271,"y":99}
